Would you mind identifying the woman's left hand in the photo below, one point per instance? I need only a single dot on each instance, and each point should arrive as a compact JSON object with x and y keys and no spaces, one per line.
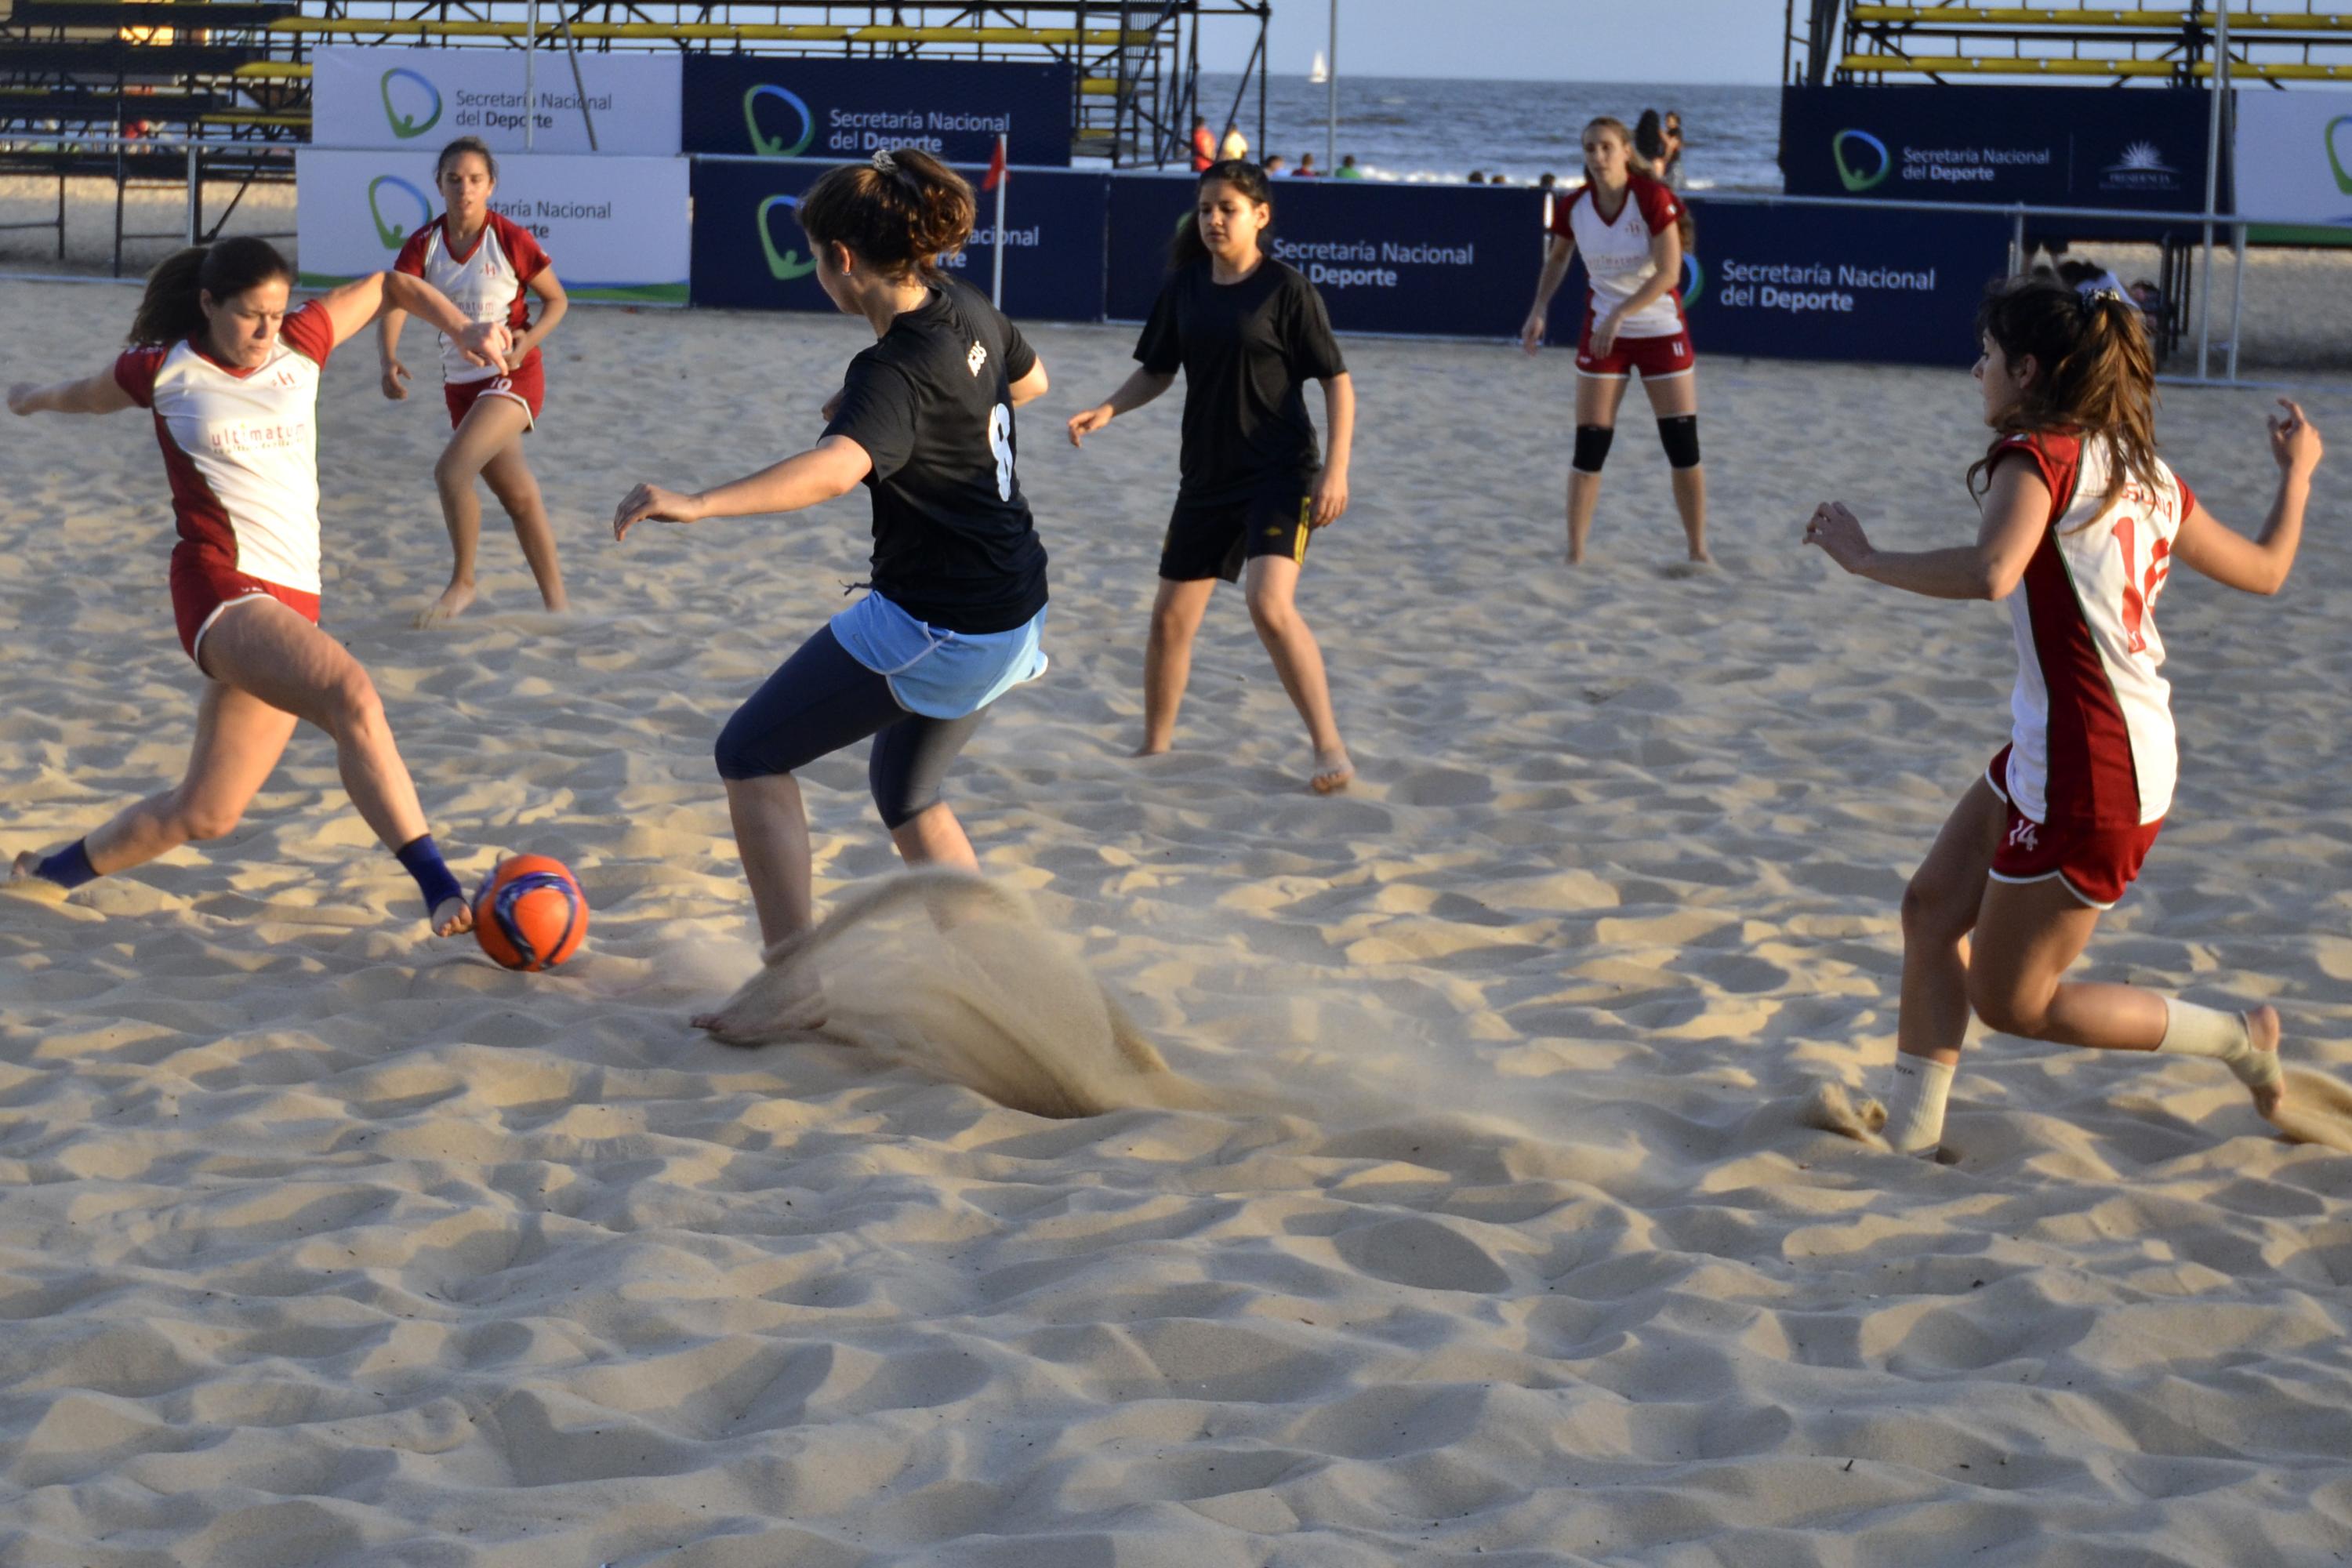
{"x":1604,"y":333}
{"x":651,"y":501}
{"x":1839,"y":533}
{"x":1330,"y":498}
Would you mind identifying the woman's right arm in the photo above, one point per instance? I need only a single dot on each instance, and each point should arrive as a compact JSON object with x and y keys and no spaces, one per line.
{"x":1133,"y":392}
{"x":100,"y":393}
{"x":1555,"y":269}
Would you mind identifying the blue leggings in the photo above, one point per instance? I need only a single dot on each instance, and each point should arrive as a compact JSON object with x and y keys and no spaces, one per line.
{"x":821,"y":700}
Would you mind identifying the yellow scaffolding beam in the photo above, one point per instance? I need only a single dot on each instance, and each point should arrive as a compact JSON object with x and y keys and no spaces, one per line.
{"x":2006,"y":65}
{"x":2047,"y":16}
{"x":696,"y":32}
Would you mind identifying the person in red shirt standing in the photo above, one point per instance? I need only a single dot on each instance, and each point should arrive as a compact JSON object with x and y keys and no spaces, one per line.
{"x":485,"y":263}
{"x":1205,"y":144}
{"x":1632,"y":231}
{"x":232,"y":378}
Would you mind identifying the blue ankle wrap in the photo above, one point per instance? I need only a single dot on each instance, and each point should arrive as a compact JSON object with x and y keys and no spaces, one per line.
{"x":70,"y":868}
{"x":422,"y":859}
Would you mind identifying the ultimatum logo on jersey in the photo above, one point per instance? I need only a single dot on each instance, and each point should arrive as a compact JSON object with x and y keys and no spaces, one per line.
{"x":1860,"y":179}
{"x":767,"y":146}
{"x":396,"y":230}
{"x":403,"y":125}
{"x":786,"y":264}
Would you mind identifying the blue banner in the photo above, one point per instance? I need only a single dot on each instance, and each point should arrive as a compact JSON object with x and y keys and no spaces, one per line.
{"x":1780,"y":282}
{"x":750,"y":252}
{"x":2045,"y":147}
{"x":779,"y":106}
{"x":1433,"y":261}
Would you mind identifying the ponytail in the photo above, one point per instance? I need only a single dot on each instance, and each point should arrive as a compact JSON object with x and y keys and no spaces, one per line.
{"x":898,"y":212}
{"x":2098,"y":374}
{"x":173,"y":307}
{"x":1639,"y":161}
{"x":1248,"y":178}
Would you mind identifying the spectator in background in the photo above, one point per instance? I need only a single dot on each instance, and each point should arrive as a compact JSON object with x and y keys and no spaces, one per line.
{"x":1477,"y":178}
{"x":1275,"y":168}
{"x":1236,"y":146}
{"x":1205,"y":144}
{"x":1306,"y":169}
{"x":1498,"y":179}
{"x":1348,"y":169}
{"x":1671,"y":172}
{"x":1548,"y":182}
{"x":1650,"y":145}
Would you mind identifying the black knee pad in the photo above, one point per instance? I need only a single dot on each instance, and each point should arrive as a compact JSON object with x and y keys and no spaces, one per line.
{"x":1679,"y":433}
{"x":1592,"y":447}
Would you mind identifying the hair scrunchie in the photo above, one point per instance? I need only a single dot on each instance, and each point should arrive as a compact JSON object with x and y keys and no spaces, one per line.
{"x":883,"y":163}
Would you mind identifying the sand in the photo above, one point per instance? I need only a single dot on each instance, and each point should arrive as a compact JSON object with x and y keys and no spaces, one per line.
{"x":324,"y":1243}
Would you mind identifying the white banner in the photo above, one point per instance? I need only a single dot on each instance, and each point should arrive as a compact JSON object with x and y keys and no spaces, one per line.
{"x":617,"y":229}
{"x":428,"y":98}
{"x":2293,"y":155}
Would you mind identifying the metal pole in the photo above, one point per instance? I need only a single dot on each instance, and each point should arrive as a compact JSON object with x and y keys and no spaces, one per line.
{"x":2220,"y":90}
{"x":531,"y":77}
{"x":571,"y":47}
{"x":2237,"y":294}
{"x":1004,"y":178}
{"x":195,"y":219}
{"x":2017,"y":244}
{"x":1332,"y":103}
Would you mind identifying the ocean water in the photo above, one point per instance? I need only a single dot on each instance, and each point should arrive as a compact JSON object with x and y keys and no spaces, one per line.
{"x":1422,"y":127}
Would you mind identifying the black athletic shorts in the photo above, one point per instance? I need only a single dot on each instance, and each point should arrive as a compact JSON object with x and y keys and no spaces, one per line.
{"x":1214,"y":541}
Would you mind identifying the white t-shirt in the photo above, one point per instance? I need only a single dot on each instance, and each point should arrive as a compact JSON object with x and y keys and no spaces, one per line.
{"x":486,"y":283}
{"x":1616,"y":252}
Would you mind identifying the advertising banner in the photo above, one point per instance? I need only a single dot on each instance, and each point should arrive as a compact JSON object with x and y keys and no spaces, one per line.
{"x":2294,"y":157}
{"x":1896,"y":287}
{"x":749,"y":253}
{"x":428,"y":98}
{"x":2045,"y":147}
{"x":1433,"y":261}
{"x":774,"y":106}
{"x":616,"y":228}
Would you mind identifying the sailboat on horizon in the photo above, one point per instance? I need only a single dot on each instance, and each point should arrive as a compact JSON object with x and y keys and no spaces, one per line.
{"x":1321,"y":72}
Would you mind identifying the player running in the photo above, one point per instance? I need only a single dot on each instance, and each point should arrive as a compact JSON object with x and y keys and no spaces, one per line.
{"x":924,"y":419}
{"x":1248,"y":332}
{"x":232,"y":377}
{"x":2082,"y":524}
{"x":1632,"y":232}
{"x":485,"y":263}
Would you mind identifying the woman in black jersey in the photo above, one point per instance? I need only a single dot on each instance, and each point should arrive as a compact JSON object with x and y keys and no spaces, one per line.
{"x":924,"y":419}
{"x":1248,"y":332}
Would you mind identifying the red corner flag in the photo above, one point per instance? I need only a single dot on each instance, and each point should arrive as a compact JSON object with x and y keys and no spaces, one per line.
{"x":995,"y":167}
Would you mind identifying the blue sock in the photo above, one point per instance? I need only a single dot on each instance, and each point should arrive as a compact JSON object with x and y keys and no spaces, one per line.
{"x":70,"y":868}
{"x":422,"y":859}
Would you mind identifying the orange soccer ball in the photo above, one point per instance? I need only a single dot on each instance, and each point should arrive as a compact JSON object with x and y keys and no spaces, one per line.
{"x":531,"y":914}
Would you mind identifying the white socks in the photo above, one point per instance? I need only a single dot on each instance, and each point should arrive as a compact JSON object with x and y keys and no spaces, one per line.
{"x":1914,"y":1099}
{"x":2191,"y":1030}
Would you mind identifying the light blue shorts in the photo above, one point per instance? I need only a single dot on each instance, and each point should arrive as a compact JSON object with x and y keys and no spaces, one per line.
{"x":935,"y":672}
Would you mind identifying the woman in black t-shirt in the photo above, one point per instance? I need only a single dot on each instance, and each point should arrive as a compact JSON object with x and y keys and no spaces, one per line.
{"x":1248,"y":332}
{"x":924,"y":419}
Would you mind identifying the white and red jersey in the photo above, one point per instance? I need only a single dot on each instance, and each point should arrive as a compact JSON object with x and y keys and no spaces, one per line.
{"x":1616,"y":251}
{"x":242,"y":447}
{"x":486,"y":283}
{"x":2091,"y":733}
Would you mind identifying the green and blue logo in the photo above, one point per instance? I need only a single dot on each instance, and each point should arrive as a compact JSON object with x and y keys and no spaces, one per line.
{"x":2336,"y":153}
{"x":1860,"y":179}
{"x":403,"y":125}
{"x":767,"y":146}
{"x":787,"y":265}
{"x":394,"y":231}
{"x":1698,"y":280}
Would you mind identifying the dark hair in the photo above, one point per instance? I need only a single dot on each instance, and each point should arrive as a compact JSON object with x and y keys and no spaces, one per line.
{"x":2096,"y":374}
{"x":1244,"y":177}
{"x":173,"y":307}
{"x":1650,"y":137}
{"x":898,"y":212}
{"x":465,"y":144}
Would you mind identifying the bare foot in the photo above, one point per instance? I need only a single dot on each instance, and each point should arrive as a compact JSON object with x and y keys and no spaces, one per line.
{"x":451,"y":916}
{"x":448,"y":607}
{"x":2269,"y":1083}
{"x":1332,"y":771}
{"x":558,"y":602}
{"x":1149,"y":749}
{"x":26,"y":880}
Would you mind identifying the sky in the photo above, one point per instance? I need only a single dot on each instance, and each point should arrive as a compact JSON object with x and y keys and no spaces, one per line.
{"x":1565,"y":40}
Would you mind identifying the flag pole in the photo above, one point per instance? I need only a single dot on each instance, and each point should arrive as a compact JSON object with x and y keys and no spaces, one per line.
{"x":996,"y":284}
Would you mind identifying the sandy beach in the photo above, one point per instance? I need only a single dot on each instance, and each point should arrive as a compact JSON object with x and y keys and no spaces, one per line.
{"x":326,"y":1242}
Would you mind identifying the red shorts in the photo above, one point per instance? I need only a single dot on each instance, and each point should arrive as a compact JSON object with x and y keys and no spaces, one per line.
{"x":2095,"y":863}
{"x":203,"y":585}
{"x":527,"y":384}
{"x":1655,"y":358}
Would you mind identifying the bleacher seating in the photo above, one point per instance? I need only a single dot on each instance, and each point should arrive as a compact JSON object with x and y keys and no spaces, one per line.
{"x":2059,"y":40}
